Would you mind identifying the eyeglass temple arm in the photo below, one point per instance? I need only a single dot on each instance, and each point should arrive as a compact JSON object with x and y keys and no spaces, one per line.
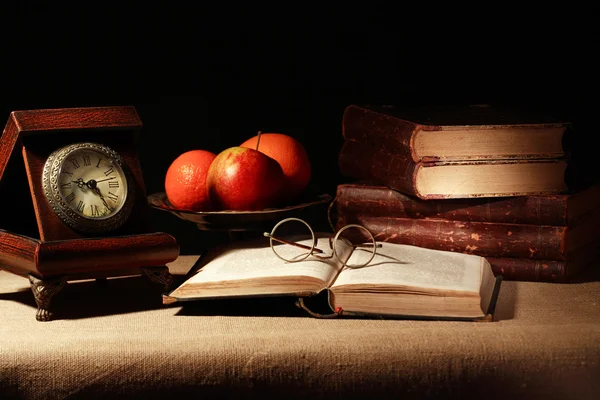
{"x":302,"y":246}
{"x":377,"y":245}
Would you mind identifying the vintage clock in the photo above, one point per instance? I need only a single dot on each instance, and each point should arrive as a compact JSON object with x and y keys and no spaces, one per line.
{"x":73,"y":202}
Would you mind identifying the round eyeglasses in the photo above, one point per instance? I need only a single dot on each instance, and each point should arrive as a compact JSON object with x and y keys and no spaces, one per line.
{"x":293,"y":240}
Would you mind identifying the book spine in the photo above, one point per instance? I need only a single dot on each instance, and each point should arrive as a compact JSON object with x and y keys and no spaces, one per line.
{"x":359,"y":161}
{"x":541,"y":242}
{"x":380,"y":201}
{"x":379,"y":130}
{"x":525,"y":269}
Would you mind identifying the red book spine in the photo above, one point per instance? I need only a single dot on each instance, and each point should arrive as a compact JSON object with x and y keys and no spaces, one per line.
{"x":540,"y":242}
{"x":381,"y":201}
{"x":387,"y":132}
{"x":395,"y":170}
{"x":525,"y":269}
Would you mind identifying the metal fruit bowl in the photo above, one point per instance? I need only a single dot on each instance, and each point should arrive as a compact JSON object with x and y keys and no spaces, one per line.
{"x":306,"y":208}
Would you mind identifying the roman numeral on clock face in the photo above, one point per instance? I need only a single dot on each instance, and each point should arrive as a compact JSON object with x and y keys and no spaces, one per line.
{"x":113,"y":184}
{"x":70,"y":197}
{"x":109,"y":171}
{"x":95,"y":210}
{"x":80,"y":206}
{"x":112,"y":196}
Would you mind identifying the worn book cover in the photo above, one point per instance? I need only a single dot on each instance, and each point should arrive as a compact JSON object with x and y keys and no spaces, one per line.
{"x":466,"y":132}
{"x":559,"y":271}
{"x":568,"y":209}
{"x":542,"y":242}
{"x":445,"y":179}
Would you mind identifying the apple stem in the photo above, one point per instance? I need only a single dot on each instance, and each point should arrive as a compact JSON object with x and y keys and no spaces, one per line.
{"x":258,"y":140}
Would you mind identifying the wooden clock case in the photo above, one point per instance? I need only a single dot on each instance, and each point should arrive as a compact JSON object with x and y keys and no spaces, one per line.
{"x":34,"y":242}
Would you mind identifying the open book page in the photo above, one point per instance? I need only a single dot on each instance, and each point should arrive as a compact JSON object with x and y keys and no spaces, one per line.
{"x":410,"y":280}
{"x":413,"y":268}
{"x":251,"y":268}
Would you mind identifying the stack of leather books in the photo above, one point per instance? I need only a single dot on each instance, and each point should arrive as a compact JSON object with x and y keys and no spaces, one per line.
{"x":475,"y":180}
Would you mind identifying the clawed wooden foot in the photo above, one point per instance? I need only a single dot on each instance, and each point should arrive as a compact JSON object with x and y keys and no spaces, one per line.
{"x":43,"y":314}
{"x":159,"y":275}
{"x":43,"y":291}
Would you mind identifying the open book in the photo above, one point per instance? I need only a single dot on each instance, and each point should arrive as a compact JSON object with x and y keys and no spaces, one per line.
{"x":401,"y":280}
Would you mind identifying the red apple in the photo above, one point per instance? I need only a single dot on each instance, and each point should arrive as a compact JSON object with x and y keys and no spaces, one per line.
{"x":241,"y":178}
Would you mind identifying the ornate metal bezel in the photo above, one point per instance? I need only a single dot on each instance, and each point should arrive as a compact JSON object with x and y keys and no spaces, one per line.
{"x":61,"y":208}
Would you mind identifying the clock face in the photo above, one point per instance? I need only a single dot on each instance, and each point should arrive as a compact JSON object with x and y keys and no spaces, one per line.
{"x":92,"y":184}
{"x":88,"y":187}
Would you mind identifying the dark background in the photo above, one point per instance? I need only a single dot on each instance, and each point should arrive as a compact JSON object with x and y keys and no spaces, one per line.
{"x":210,"y":76}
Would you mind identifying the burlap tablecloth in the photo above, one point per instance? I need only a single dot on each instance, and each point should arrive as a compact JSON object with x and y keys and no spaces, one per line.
{"x":117,"y":340}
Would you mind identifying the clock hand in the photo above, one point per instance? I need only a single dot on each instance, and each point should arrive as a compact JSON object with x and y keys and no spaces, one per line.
{"x":107,"y":179}
{"x":80,"y":183}
{"x":97,"y":191}
{"x":105,"y":203}
{"x":92,"y":185}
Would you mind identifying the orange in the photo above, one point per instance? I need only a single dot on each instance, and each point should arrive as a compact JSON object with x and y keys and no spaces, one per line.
{"x":185,"y":181}
{"x":291,"y":156}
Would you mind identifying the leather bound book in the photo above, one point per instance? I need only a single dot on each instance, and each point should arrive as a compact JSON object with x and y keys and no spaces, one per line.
{"x":559,"y":210}
{"x":456,"y":132}
{"x":453,"y":179}
{"x":559,"y":271}
{"x":538,"y":242}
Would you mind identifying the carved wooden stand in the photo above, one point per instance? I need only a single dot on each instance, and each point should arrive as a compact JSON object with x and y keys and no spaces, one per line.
{"x":45,"y":289}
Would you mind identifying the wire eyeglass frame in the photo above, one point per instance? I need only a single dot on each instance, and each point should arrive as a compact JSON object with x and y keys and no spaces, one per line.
{"x":313,"y":250}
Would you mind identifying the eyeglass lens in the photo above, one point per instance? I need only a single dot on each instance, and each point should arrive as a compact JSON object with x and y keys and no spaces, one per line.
{"x":297,"y":231}
{"x":357,"y":239}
